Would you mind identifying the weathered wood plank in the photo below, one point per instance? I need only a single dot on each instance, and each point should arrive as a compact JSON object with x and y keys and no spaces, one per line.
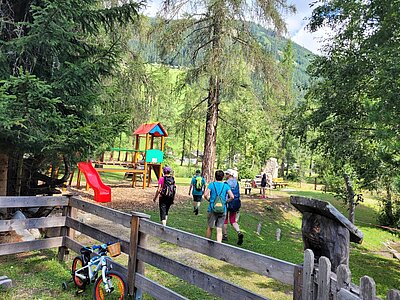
{"x":31,"y":201}
{"x":308,"y":280}
{"x":64,"y":232}
{"x":101,"y":211}
{"x":97,"y":234}
{"x":298,"y":283}
{"x":12,"y":248}
{"x":393,"y":295}
{"x":156,"y":290}
{"x":324,"y":278}
{"x":343,"y":277}
{"x":132,"y":260}
{"x":203,"y":280}
{"x":367,"y":288}
{"x":346,"y":295}
{"x":9,"y":225}
{"x":262,"y":264}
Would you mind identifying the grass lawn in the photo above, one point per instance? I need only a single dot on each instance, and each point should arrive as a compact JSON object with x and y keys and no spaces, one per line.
{"x":39,"y":275}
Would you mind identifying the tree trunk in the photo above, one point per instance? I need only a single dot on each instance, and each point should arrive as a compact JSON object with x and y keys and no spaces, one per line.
{"x":20,"y":167}
{"x":388,"y":206}
{"x":283,"y":146}
{"x":3,"y":174}
{"x":210,"y":141}
{"x":350,"y":198}
{"x":183,"y":146}
{"x":198,"y":143}
{"x":3,"y":182}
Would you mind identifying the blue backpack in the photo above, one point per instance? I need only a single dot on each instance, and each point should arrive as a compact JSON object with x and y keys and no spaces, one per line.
{"x":235,"y":204}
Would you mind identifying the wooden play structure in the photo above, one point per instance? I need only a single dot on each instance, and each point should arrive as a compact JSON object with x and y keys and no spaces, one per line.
{"x":139,"y":161}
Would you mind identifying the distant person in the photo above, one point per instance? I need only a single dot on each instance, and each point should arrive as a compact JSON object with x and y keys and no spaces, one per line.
{"x":218,"y":193}
{"x":233,"y":207}
{"x":197,"y":188}
{"x":269,"y":183}
{"x":263,"y":185}
{"x":166,"y":189}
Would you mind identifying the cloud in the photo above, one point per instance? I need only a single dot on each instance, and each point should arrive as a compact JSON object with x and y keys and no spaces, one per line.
{"x":298,"y":32}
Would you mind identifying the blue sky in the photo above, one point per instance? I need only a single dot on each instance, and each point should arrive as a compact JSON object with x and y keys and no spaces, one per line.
{"x":296,"y":24}
{"x":297,"y":27}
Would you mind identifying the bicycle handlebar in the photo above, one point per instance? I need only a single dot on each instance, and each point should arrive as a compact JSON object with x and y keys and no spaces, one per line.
{"x":102,"y":247}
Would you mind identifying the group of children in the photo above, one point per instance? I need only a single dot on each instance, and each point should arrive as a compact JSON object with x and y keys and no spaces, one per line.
{"x":223,"y":197}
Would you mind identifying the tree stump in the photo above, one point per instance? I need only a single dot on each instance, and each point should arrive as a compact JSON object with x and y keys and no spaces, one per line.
{"x":326,"y":231}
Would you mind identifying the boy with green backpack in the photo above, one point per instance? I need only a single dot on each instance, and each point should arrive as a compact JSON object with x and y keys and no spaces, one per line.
{"x":197,"y":187}
{"x":218,"y":193}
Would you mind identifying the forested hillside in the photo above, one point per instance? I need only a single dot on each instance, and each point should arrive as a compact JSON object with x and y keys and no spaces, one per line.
{"x":150,"y":51}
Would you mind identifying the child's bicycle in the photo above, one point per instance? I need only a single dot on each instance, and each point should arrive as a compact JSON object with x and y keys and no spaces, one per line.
{"x":108,"y":284}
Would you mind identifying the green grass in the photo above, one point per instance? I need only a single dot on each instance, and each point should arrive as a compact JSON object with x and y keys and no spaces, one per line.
{"x":35,"y":275}
{"x":39,"y":275}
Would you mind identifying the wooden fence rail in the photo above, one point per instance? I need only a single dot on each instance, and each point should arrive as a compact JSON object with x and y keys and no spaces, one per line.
{"x":310,"y":281}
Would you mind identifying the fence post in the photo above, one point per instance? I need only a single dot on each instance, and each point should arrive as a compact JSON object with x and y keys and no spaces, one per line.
{"x":65,"y":231}
{"x":298,"y":282}
{"x":393,"y":295}
{"x":308,"y":281}
{"x":367,"y":288}
{"x":343,"y":278}
{"x":133,"y":264}
{"x":324,"y":278}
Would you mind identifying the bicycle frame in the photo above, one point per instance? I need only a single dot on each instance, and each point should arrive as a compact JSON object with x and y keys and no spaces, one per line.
{"x":94,"y":265}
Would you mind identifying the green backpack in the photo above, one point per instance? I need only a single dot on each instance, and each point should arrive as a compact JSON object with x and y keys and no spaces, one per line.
{"x":217,"y":206}
{"x":199,"y":183}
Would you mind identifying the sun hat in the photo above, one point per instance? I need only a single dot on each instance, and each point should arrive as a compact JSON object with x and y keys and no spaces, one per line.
{"x":230,"y":172}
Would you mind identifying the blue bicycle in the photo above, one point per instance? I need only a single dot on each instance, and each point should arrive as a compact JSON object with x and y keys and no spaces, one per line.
{"x":108,"y":284}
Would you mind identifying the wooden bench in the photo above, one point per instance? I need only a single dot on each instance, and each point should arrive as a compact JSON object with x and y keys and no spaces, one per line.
{"x":246,"y":184}
{"x":279,"y":183}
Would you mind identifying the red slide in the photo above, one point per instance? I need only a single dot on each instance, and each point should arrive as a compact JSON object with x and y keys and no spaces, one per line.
{"x":102,"y":192}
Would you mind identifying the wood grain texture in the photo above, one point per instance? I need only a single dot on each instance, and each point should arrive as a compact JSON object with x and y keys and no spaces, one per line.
{"x":49,"y":222}
{"x":261,"y":264}
{"x":12,"y":248}
{"x":101,"y":211}
{"x":30,"y":201}
{"x":203,"y":280}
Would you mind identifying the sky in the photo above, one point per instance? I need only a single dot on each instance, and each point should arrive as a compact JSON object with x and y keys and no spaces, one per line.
{"x":296,"y":24}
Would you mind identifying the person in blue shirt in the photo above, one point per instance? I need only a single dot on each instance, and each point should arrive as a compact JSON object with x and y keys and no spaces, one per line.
{"x":197,"y":188}
{"x":233,"y":207}
{"x":215,"y":189}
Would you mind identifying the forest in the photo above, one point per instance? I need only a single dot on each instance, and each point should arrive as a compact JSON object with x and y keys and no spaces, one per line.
{"x":77,"y":77}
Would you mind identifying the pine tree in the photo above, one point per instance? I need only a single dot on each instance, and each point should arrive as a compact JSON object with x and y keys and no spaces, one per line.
{"x":51,"y":64}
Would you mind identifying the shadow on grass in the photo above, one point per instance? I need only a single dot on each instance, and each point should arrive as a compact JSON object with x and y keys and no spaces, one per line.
{"x":385,"y":271}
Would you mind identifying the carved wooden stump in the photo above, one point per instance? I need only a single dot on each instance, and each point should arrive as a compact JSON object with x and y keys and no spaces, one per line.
{"x":326,"y":231}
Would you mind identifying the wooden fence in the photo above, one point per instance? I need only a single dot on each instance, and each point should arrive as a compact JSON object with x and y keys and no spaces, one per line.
{"x":308,"y":281}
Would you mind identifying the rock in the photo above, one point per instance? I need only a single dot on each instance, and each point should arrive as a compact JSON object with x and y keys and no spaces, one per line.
{"x":6,"y":283}
{"x":23,"y":233}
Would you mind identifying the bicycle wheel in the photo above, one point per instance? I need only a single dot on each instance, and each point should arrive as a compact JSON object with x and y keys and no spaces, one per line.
{"x":117,"y":283}
{"x":76,"y":265}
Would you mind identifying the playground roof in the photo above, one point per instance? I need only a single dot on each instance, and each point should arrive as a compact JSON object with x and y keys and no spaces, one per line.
{"x":155,"y":129}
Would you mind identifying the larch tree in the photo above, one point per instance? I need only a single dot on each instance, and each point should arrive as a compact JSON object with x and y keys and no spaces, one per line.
{"x":220,"y":36}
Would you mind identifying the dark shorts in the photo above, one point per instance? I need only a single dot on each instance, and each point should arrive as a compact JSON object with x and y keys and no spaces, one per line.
{"x":197,"y":198}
